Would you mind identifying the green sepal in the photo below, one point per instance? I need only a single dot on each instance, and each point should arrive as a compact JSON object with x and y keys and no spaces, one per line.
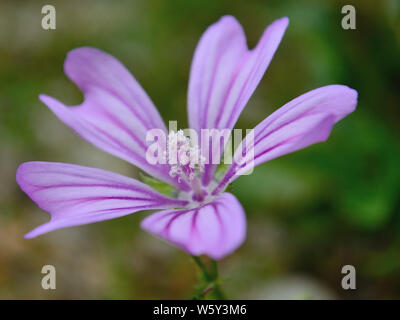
{"x":160,"y":186}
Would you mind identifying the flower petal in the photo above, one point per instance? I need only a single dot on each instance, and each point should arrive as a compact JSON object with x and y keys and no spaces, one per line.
{"x":76,"y":195}
{"x":116,"y":113}
{"x":224,"y":74}
{"x":215,"y":229}
{"x":306,"y":120}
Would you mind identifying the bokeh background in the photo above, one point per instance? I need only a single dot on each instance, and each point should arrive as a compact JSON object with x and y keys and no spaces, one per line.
{"x":309,"y":213}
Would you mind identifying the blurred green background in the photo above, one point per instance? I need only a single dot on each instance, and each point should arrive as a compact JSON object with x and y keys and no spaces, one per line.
{"x":309,"y":213}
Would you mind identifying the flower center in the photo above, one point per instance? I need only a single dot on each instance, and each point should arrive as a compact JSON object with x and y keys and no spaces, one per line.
{"x":186,"y":161}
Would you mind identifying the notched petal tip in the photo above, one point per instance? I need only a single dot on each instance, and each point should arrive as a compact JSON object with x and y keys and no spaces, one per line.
{"x":353,"y":99}
{"x":228,"y":21}
{"x":19,"y":172}
{"x":47,"y":100}
{"x":21,"y":176}
{"x":82,"y":51}
{"x":347,"y":96}
{"x":284,"y":21}
{"x":32,"y":234}
{"x":82,"y":57}
{"x":52,"y":103}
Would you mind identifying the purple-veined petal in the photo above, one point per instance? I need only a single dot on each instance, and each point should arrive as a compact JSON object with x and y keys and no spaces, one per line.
{"x":76,"y":195}
{"x":116,"y":113}
{"x":306,"y":120}
{"x":215,"y":229}
{"x":225,"y":73}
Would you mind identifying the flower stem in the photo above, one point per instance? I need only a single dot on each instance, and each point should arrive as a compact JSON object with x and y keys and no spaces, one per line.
{"x":211,"y":279}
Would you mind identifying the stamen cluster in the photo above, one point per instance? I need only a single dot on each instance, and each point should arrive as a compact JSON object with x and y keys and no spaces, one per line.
{"x":184,"y":156}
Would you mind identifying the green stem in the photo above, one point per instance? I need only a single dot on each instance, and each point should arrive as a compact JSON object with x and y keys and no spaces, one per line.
{"x":214,"y":266}
{"x":202,"y":268}
{"x":211,"y":278}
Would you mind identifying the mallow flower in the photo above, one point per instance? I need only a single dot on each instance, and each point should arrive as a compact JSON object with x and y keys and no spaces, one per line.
{"x":200,"y":217}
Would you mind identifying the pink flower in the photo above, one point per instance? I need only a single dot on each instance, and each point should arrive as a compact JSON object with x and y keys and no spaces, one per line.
{"x":117,"y":113}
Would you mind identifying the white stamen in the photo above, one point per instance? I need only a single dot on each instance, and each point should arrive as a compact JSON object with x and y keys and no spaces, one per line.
{"x":184,"y":157}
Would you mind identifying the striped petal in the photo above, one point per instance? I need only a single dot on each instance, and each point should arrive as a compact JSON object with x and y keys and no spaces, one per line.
{"x":215,"y":229}
{"x":303,"y":121}
{"x":116,"y":113}
{"x":76,"y":195}
{"x":225,"y":73}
